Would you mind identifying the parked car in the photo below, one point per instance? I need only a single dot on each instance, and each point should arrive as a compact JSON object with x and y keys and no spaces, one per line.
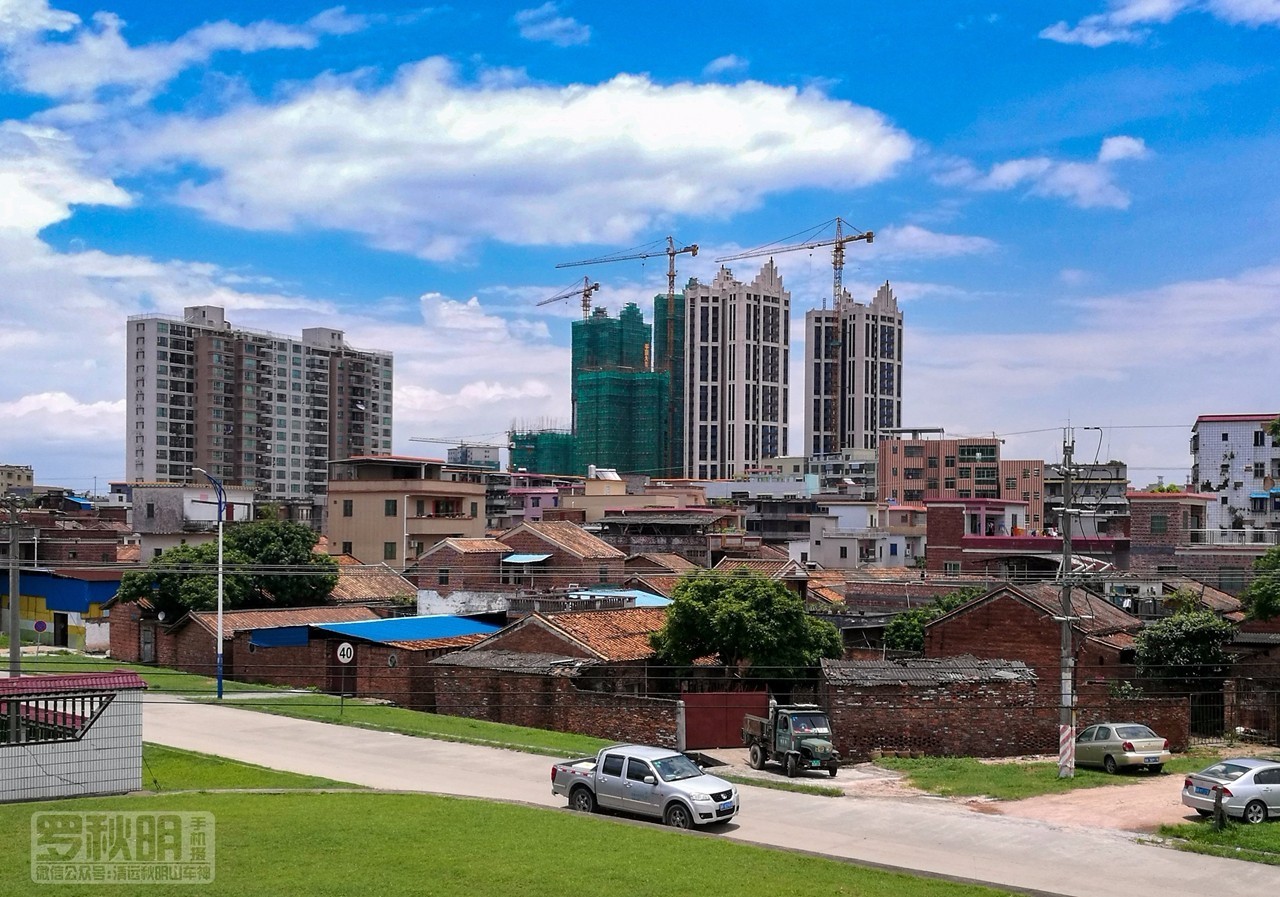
{"x":1250,"y":789}
{"x":647,"y":781}
{"x":1117,"y":746}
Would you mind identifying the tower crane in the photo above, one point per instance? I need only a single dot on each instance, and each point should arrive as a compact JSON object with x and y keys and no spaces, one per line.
{"x":670,"y":252}
{"x":837,"y":245}
{"x":585,"y":290}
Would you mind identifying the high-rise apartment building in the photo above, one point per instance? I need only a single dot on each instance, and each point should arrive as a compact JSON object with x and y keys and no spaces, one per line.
{"x":1237,"y":461}
{"x":733,"y":353}
{"x":852,"y":373}
{"x":254,"y":409}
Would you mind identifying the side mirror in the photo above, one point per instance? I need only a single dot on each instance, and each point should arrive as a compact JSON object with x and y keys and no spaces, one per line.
{"x":650,"y":780}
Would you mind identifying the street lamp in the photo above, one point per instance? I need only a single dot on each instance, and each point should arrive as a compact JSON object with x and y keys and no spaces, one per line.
{"x":222,"y":504}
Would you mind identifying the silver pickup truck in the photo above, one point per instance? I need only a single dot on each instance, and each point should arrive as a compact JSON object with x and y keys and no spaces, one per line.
{"x":648,"y":781}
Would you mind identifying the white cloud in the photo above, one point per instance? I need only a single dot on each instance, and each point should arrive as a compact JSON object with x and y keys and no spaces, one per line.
{"x":1084,"y":184}
{"x":545,"y":23}
{"x":41,"y":178}
{"x":724,"y":65}
{"x":97,"y":57}
{"x":1125,"y":21}
{"x":427,"y":164}
{"x":913,"y":241}
{"x":21,"y":19}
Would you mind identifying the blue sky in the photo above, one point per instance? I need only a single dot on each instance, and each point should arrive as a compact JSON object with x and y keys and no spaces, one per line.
{"x":1076,"y":204}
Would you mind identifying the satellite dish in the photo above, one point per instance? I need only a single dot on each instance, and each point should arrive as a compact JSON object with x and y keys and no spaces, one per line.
{"x":160,"y":616}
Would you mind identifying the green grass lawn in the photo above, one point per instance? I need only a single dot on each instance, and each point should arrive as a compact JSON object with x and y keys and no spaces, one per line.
{"x":1256,"y":843}
{"x":969,"y":777}
{"x":335,"y":845}
{"x":171,"y":769}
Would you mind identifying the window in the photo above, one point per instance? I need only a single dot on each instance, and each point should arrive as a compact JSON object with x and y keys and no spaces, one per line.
{"x":844,"y":551}
{"x":535,"y":501}
{"x":347,"y":507}
{"x":1259,"y":438}
{"x":950,"y":566}
{"x":389,"y":507}
{"x":604,"y":574}
{"x":346,"y":548}
{"x":151,"y":511}
{"x":1226,"y":438}
{"x":442,"y":576}
{"x":1159,"y":523}
{"x":637,"y":770}
{"x":388,"y":551}
{"x":893,"y":549}
{"x":612,"y":765}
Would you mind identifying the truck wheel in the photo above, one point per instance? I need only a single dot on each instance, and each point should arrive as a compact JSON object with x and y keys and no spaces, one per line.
{"x":581,"y":800}
{"x":792,"y":766}
{"x":832,"y":771}
{"x":755,"y":757}
{"x":677,"y":816}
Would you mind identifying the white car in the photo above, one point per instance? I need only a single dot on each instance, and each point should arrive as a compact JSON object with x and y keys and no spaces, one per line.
{"x":1250,"y":788}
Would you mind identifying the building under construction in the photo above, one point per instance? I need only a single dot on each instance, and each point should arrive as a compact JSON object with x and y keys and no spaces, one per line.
{"x":619,"y":402}
{"x":541,"y":451}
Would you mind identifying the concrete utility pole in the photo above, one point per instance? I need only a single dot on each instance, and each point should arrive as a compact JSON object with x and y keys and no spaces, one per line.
{"x":15,"y":623}
{"x":1067,"y":712}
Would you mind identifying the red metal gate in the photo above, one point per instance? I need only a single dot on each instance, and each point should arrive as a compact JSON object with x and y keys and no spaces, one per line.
{"x":713,"y":719}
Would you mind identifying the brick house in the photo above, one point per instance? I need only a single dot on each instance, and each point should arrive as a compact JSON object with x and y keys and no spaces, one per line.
{"x":1017,"y":623}
{"x":1170,"y":534}
{"x":616,"y":641}
{"x":558,"y":555}
{"x":454,"y":565}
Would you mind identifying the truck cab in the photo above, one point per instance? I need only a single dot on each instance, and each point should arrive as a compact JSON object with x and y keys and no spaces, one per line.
{"x":798,"y":736}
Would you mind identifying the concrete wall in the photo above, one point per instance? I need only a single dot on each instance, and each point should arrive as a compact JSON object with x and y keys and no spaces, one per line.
{"x":107,"y":759}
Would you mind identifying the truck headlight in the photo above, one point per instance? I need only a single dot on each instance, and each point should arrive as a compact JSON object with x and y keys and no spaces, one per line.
{"x":698,"y":795}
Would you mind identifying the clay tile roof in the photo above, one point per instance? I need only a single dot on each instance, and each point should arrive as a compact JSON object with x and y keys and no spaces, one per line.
{"x":674,"y":562}
{"x":573,"y":538}
{"x":1097,"y":615}
{"x":612,"y":634}
{"x":659,"y":583}
{"x":70,"y":682}
{"x":369,"y":582}
{"x":477,"y":545}
{"x":1214,"y":599}
{"x":827,"y":594}
{"x":242,"y":620}
{"x":457,"y":642}
{"x":771,"y":553}
{"x":128,"y":554}
{"x":770,"y":568}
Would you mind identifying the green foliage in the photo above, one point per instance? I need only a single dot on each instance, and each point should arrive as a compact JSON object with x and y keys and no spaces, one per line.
{"x":742,"y":619}
{"x":1182,"y":601}
{"x":1187,"y":650}
{"x":1262,"y":596}
{"x":1124,"y":690}
{"x":266,"y":564}
{"x":905,"y":632}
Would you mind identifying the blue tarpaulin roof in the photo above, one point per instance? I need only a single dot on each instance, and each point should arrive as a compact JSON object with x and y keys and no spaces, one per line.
{"x":524,"y":558}
{"x":1258,"y":495}
{"x":642,"y":598}
{"x":406,"y":629}
{"x":80,"y":502}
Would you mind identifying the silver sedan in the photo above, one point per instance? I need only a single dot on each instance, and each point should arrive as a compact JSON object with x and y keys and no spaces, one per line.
{"x":1116,"y":746}
{"x":1250,"y":789}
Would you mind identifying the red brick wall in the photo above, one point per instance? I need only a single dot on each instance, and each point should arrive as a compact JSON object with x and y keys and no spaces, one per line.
{"x":553,"y":702}
{"x":299,"y":666}
{"x":534,"y":639}
{"x":122,"y":628}
{"x":563,"y":568}
{"x":469,"y":570}
{"x":980,"y":719}
{"x":1005,"y":628}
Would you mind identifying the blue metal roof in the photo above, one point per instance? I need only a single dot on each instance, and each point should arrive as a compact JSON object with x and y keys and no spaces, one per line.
{"x":80,"y":502}
{"x":642,"y":598}
{"x":1259,"y":495}
{"x":524,"y":558}
{"x":405,"y":629}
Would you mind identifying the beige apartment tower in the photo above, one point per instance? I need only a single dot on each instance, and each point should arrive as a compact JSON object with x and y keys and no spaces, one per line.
{"x":255,"y":409}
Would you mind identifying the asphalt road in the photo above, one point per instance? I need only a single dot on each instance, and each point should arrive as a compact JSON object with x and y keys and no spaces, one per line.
{"x":916,"y":834}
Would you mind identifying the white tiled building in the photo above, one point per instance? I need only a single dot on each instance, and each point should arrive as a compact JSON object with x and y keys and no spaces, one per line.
{"x":1237,"y":461}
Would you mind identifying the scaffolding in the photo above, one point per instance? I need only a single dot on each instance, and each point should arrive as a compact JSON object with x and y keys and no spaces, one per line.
{"x":542,"y":451}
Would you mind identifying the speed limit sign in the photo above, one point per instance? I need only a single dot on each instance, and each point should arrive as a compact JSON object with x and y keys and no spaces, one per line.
{"x":346,"y":652}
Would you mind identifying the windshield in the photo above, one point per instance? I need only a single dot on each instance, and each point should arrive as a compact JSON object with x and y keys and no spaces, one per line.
{"x":809,"y":722}
{"x":676,"y":767}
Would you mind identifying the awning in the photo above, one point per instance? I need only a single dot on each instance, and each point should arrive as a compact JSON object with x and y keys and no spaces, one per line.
{"x":524,"y":558}
{"x":1275,"y":490}
{"x":1260,"y":494}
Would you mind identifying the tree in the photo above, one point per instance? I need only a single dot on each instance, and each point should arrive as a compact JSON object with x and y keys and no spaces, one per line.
{"x":905,"y":632}
{"x":1262,"y":596}
{"x":1185,"y":652}
{"x":743,"y":618}
{"x":265,"y":563}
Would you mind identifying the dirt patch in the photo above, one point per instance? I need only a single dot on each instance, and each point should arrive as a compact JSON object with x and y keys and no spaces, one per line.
{"x":1134,"y":807}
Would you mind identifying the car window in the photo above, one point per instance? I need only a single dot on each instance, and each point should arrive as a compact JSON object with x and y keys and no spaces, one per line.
{"x":783,"y":722}
{"x":637,"y":770}
{"x":676,"y":767}
{"x":1103,"y":734}
{"x":612,"y":764}
{"x":1087,"y":734}
{"x":1135,"y":732}
{"x":1267,"y":776}
{"x":1226,"y":771}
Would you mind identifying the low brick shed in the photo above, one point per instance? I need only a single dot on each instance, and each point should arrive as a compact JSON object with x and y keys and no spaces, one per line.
{"x":967,"y":707}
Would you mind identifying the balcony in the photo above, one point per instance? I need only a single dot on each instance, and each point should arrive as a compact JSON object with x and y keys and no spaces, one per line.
{"x":1263,"y":538}
{"x":865,"y":533}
